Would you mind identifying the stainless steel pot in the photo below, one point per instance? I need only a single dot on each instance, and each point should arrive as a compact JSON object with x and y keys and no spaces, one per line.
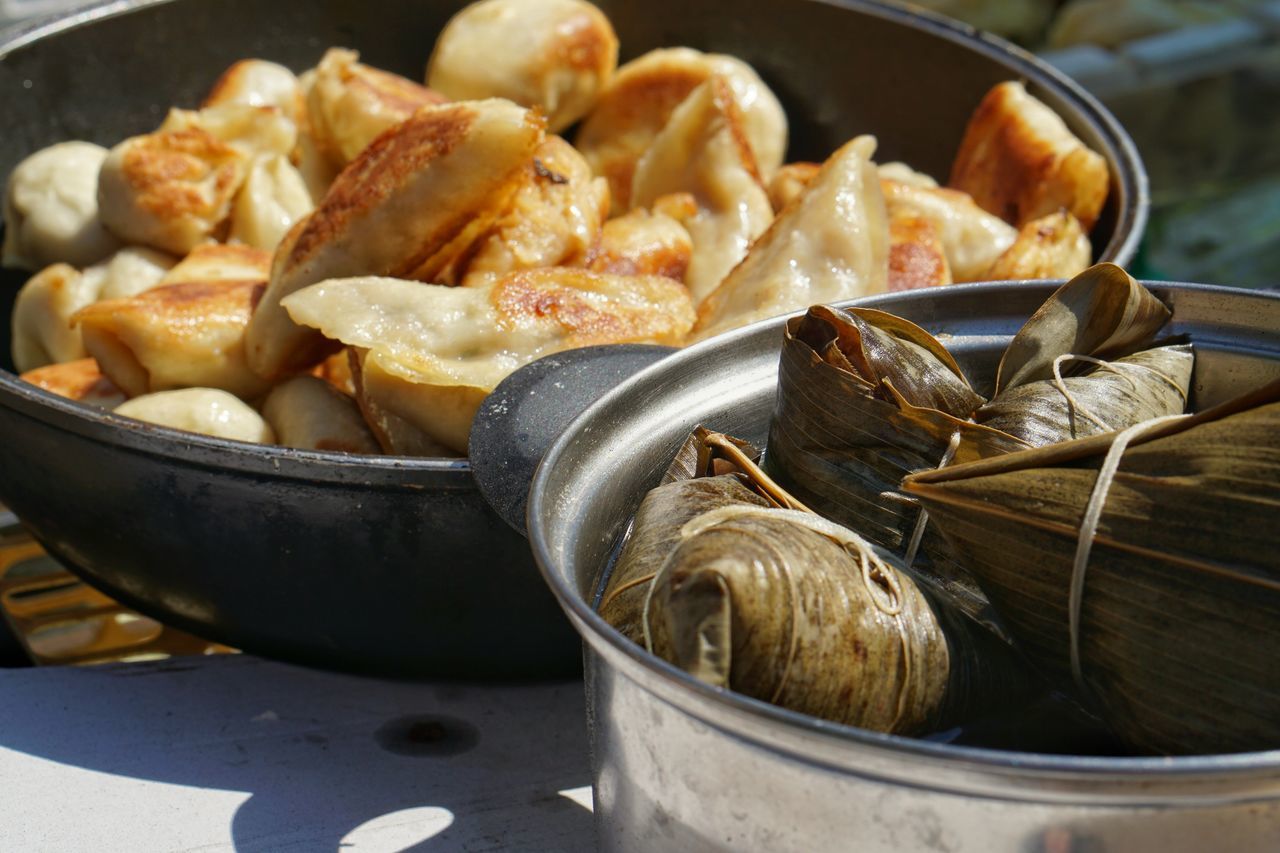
{"x":682,"y":766}
{"x":388,"y":563}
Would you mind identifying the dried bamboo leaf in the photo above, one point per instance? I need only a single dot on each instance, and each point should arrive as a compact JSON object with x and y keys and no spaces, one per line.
{"x":1103,"y":312}
{"x":842,"y":437}
{"x":1180,"y":611}
{"x":656,"y":529}
{"x":1115,"y":395}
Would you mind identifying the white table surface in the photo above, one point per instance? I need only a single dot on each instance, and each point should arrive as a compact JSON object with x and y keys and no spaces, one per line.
{"x":237,"y":753}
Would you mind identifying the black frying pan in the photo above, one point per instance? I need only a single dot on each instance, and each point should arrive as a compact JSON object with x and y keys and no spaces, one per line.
{"x":390,"y":564}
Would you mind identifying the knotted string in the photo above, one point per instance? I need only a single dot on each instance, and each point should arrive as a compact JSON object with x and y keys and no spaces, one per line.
{"x":1089,"y":529}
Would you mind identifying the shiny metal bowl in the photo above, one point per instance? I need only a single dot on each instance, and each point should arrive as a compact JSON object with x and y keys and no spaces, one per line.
{"x":390,"y":563}
{"x":682,"y":766}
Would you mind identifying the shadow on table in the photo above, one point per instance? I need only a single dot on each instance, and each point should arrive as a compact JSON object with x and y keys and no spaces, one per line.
{"x":328,"y":760}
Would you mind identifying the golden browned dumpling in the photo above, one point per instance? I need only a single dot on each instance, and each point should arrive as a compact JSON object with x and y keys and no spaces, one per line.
{"x":337,"y":370}
{"x":41,"y":319}
{"x":703,"y":151}
{"x":130,"y":271}
{"x":406,"y":207}
{"x":175,"y":336}
{"x":1020,"y":161}
{"x":457,"y":343}
{"x":51,"y":208}
{"x":1054,"y":246}
{"x":204,"y":410}
{"x":78,"y":380}
{"x":258,"y":83}
{"x":637,"y":104}
{"x":916,"y":255}
{"x":214,"y":262}
{"x":554,"y":218}
{"x":643,"y":243}
{"x":349,"y":104}
{"x":170,"y":191}
{"x":971,"y":237}
{"x":273,"y":197}
{"x":789,"y":182}
{"x":555,"y":55}
{"x":253,"y":131}
{"x":309,"y":413}
{"x":830,"y":243}
{"x":378,"y":393}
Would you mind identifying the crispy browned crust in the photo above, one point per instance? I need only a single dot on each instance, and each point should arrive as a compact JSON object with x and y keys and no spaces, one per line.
{"x":1014,"y":169}
{"x":916,"y":258}
{"x":664,"y":315}
{"x":79,"y":380}
{"x":336,"y":370}
{"x":221,"y":262}
{"x":138,"y":341}
{"x":630,"y":113}
{"x":164,"y":169}
{"x":643,"y":243}
{"x":1053,"y":246}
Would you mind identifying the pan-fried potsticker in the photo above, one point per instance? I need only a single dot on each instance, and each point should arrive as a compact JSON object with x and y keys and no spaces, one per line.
{"x":644,"y":93}
{"x":209,"y":411}
{"x":1019,"y":161}
{"x":311,"y":414}
{"x":349,"y":104}
{"x":384,"y":216}
{"x":175,"y":336}
{"x":703,"y":151}
{"x":78,"y":380}
{"x":831,"y":243}
{"x":555,"y":55}
{"x":51,"y":208}
{"x":456,"y":344}
{"x":643,"y":242}
{"x":554,"y":218}
{"x":258,"y":83}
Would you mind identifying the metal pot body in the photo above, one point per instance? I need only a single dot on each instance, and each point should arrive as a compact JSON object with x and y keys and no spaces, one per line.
{"x":681,"y":766}
{"x":398,"y":565}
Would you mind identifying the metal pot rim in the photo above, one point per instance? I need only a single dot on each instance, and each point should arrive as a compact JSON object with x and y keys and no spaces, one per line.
{"x":826,"y":742}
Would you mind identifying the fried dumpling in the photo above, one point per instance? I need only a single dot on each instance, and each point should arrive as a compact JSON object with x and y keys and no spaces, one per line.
{"x":634,"y":108}
{"x":409,"y":417}
{"x":338,"y":370}
{"x":702,"y":151}
{"x":258,"y":83}
{"x":1019,"y":161}
{"x":829,"y":244}
{"x":916,"y":255}
{"x":51,"y":208}
{"x":41,"y":318}
{"x":971,"y":237}
{"x":172,"y":190}
{"x":1053,"y":246}
{"x":789,"y":181}
{"x":349,"y":104}
{"x":254,"y":131}
{"x":220,"y":262}
{"x":78,"y":380}
{"x":643,"y":242}
{"x":175,"y":336}
{"x":554,"y":218}
{"x":273,"y":197}
{"x":309,"y":413}
{"x":204,"y":410}
{"x":458,"y":343}
{"x":130,"y":271}
{"x":555,"y":55}
{"x":406,"y":207}
{"x":896,"y":170}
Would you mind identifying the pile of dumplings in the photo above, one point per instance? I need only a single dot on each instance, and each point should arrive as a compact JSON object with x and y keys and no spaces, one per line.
{"x":347,"y":260}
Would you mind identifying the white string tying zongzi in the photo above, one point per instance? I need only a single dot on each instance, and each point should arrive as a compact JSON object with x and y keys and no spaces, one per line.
{"x":1116,"y":367}
{"x":881,"y":581}
{"x":1089,"y":529}
{"x":922,"y":520}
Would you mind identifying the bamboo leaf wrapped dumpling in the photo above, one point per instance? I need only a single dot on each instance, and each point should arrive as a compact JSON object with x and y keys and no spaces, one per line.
{"x":789,"y":608}
{"x":1175,"y":590}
